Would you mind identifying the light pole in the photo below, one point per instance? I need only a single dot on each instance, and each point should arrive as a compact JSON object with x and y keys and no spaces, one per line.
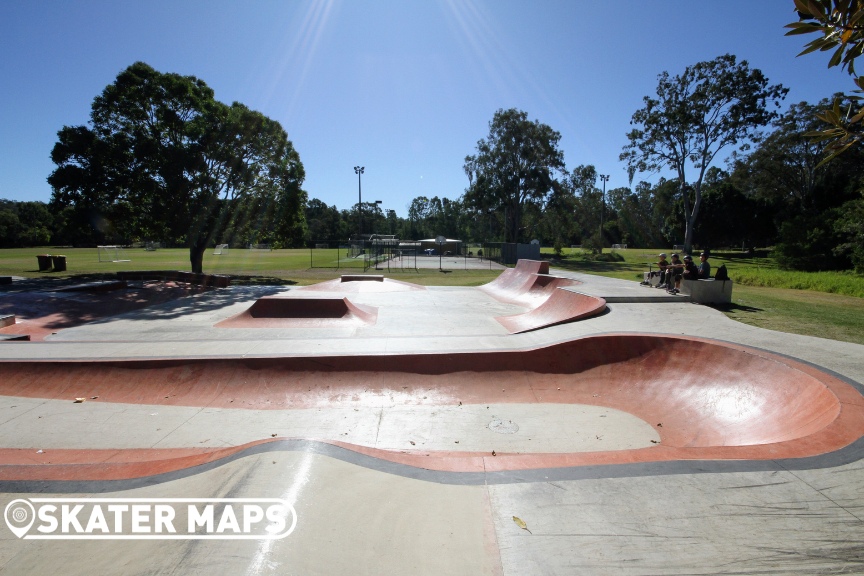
{"x":359,"y":170}
{"x":604,"y":179}
{"x":391,"y":216}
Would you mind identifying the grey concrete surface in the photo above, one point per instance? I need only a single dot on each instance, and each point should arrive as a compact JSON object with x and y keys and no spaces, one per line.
{"x":358,"y":520}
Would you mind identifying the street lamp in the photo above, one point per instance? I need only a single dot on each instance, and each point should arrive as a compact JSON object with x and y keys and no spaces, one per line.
{"x":359,"y":170}
{"x":604,"y":179}
{"x":391,"y":216}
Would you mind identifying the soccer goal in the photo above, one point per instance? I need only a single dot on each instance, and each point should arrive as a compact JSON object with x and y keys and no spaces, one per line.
{"x":220,"y":249}
{"x":261,"y":247}
{"x":112,"y":254}
{"x":619,"y":246}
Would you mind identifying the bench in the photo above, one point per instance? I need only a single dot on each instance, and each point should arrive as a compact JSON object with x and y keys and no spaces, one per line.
{"x":708,"y":291}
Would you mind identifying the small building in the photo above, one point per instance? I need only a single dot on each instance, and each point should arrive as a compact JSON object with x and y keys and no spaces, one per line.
{"x":450,"y":245}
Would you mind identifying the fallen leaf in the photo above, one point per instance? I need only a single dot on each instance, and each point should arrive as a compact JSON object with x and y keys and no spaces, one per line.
{"x":521,"y":524}
{"x":79,"y":400}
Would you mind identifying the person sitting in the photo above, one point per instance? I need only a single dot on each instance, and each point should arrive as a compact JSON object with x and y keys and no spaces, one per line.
{"x":662,"y":264}
{"x":673,"y":274}
{"x":704,"y":266}
{"x":691,"y":272}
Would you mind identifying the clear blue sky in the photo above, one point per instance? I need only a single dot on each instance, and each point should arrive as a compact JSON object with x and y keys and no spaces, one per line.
{"x":402,"y":87}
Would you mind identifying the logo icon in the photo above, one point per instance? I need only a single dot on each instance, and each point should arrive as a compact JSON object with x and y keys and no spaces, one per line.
{"x":20,"y":515}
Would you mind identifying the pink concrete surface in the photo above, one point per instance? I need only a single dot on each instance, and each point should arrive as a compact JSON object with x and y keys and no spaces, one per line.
{"x":514,"y":282}
{"x":707,"y":400}
{"x":529,"y":285}
{"x":293,"y":312}
{"x":560,"y":307}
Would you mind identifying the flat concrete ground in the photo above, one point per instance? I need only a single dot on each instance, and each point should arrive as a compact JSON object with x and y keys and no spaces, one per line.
{"x":363,"y":506}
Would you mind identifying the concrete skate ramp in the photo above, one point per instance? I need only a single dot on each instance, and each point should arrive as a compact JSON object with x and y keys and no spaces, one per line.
{"x":292,"y":312}
{"x":528,"y":284}
{"x":350,"y":284}
{"x":561,"y":307}
{"x":707,"y":400}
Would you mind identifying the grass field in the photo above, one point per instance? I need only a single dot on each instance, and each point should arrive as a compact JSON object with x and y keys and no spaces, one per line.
{"x":827,"y":304}
{"x":286,"y":266}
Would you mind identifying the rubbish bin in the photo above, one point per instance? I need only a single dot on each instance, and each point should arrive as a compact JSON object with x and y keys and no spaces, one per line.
{"x":59,"y":263}
{"x":44,"y":262}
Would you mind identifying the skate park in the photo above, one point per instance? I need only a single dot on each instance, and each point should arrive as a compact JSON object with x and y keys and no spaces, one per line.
{"x":547,"y":422}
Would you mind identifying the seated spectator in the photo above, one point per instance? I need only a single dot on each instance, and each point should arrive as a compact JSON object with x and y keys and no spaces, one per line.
{"x":662,"y":264}
{"x":704,"y":266}
{"x":673,"y":274}
{"x":691,"y":272}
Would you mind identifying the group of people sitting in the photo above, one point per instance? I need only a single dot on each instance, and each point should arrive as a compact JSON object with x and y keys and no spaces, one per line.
{"x":671,"y":273}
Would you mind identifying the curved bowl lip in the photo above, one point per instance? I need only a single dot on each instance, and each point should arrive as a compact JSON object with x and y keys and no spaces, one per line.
{"x":839,"y":442}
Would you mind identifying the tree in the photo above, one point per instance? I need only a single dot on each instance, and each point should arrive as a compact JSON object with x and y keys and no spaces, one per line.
{"x":840,"y":26}
{"x":786,"y":172}
{"x":514,"y":167}
{"x":710,"y":106}
{"x":163,"y":159}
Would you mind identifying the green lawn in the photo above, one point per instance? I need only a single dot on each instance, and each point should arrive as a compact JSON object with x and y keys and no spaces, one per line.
{"x":826,"y":304}
{"x":288,"y":266}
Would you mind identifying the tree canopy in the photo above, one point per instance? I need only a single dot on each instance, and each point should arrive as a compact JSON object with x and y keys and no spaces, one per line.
{"x":710,"y":106}
{"x":162,"y":158}
{"x":513,"y":168}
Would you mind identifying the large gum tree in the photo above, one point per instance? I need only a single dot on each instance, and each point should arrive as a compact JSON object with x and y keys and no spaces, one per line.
{"x":710,"y":106}
{"x":514,"y":167}
{"x":162,"y":158}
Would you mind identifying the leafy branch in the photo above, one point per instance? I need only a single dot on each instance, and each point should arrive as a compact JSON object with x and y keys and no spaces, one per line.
{"x":840,"y":26}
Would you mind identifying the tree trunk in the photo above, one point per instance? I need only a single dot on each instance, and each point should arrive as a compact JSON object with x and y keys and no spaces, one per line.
{"x":196,"y":257}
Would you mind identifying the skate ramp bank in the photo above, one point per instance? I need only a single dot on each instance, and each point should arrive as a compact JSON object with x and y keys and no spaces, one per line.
{"x":292,"y":312}
{"x":707,"y":400}
{"x":560,"y":307}
{"x":350,"y":284}
{"x":528,"y":284}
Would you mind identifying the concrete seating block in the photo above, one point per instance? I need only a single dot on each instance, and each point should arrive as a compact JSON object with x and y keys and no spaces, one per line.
{"x":708,"y":291}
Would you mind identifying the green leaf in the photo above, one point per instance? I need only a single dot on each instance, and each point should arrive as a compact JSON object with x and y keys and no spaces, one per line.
{"x":802,"y":28}
{"x":835,"y":59}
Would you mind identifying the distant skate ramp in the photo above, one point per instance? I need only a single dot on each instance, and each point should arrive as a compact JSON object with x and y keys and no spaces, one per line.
{"x":354,"y":283}
{"x":561,"y":307}
{"x":528,"y":284}
{"x":293,"y":312}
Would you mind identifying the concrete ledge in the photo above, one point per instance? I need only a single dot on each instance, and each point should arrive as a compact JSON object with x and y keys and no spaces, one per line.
{"x":14,"y":337}
{"x":7,"y":320}
{"x":95,"y":287}
{"x":362,"y":278}
{"x":708,"y":291}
